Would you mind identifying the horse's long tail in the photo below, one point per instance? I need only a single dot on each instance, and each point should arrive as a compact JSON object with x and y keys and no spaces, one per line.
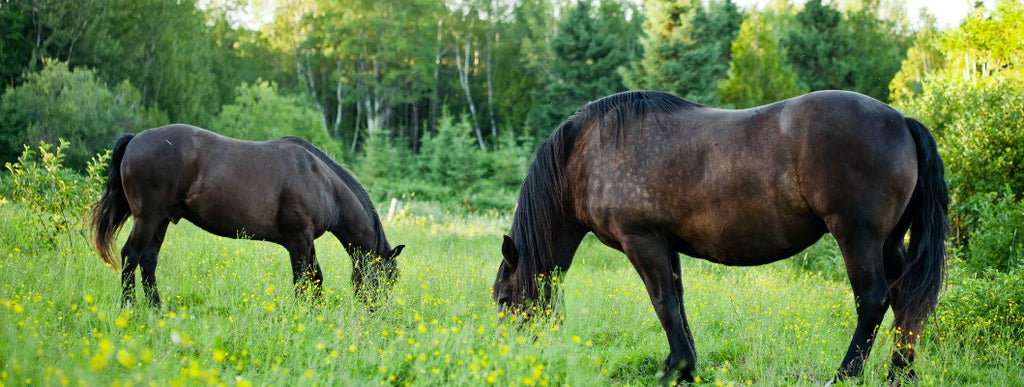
{"x":925,"y":268}
{"x":112,"y":210}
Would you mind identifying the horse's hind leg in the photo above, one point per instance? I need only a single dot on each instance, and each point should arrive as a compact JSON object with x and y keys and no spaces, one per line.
{"x":908,"y":327}
{"x":863,"y":255}
{"x":142,"y":247}
{"x":149,"y":260}
{"x":129,"y":261}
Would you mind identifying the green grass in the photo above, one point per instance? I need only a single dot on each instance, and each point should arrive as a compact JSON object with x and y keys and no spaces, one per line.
{"x":230,"y":318}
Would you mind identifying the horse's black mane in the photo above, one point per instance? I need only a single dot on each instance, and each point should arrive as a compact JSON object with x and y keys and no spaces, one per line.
{"x":542,"y":197}
{"x":352,"y":183}
{"x":625,"y":108}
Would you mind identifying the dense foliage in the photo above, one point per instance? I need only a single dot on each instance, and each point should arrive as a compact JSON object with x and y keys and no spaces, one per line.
{"x":519,"y":67}
{"x":56,"y":103}
{"x":443,"y":101}
{"x":973,"y":100}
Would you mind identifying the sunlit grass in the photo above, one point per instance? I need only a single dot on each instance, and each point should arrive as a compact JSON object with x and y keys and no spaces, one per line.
{"x":230,"y":317}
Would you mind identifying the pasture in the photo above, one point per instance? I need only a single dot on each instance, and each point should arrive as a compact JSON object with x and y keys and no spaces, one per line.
{"x":230,"y":318}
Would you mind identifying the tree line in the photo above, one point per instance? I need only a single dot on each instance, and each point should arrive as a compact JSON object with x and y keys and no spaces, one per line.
{"x":445,"y":100}
{"x":366,"y":66}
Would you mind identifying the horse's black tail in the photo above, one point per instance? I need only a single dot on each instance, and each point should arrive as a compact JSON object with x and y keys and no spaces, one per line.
{"x":112,"y":210}
{"x":925,"y":268}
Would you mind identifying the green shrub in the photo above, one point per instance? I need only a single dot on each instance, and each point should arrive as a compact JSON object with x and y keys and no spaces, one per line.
{"x":994,"y":236}
{"x":59,"y":198}
{"x":450,"y":157}
{"x":74,"y":105}
{"x":979,"y":125}
{"x":260,"y":113}
{"x":984,"y":308}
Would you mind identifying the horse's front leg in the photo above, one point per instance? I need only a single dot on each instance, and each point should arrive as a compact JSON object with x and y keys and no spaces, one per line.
{"x":306,"y":274}
{"x":364,"y":282}
{"x":658,"y":266}
{"x":314,"y":275}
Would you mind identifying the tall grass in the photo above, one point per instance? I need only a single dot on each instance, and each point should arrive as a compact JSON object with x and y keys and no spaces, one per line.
{"x":230,"y":318}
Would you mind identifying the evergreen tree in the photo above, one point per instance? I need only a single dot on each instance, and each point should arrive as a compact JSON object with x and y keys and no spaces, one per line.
{"x":716,"y":28}
{"x":667,"y":35}
{"x":759,"y":72}
{"x":876,"y":49}
{"x":587,"y":51}
{"x":817,"y":44}
{"x":856,"y":51}
{"x":685,"y":47}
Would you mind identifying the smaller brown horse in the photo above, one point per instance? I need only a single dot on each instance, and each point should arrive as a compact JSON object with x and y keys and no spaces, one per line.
{"x":285,"y":191}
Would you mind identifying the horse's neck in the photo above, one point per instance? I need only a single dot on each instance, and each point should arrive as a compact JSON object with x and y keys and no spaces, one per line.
{"x":560,"y":239}
{"x":373,"y":243}
{"x":565,"y":245}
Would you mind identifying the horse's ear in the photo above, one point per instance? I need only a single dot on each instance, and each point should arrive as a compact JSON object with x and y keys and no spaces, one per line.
{"x":397,"y":250}
{"x":508,"y":250}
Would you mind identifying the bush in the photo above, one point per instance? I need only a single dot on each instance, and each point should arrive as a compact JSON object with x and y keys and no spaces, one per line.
{"x":74,"y":105}
{"x":260,"y":113}
{"x":450,"y":157}
{"x":986,"y":307}
{"x":994,"y":238}
{"x":979,"y":125}
{"x":59,"y":198}
{"x":450,"y":169}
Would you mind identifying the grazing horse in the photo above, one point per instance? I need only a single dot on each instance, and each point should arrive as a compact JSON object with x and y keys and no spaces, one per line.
{"x":653,"y":175}
{"x":285,"y":191}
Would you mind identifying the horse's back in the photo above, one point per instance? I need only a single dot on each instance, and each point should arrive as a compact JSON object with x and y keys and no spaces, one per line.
{"x":745,"y":186}
{"x":229,"y":186}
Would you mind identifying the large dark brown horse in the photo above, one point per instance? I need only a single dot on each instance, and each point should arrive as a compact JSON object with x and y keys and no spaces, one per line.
{"x":653,"y":176}
{"x":285,"y":191}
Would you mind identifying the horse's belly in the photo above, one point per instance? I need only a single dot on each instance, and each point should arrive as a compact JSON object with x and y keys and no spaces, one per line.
{"x":231,"y":218}
{"x":750,"y":240}
{"x":233,"y":228}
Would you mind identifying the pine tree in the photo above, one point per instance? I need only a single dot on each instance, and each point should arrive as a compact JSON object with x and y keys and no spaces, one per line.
{"x":759,"y":72}
{"x":817,"y":44}
{"x":591,"y":44}
{"x":686,"y":47}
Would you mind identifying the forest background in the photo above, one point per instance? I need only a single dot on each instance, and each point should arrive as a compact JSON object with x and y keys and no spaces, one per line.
{"x":443,"y":102}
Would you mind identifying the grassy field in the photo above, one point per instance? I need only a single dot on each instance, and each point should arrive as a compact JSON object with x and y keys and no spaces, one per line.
{"x":230,"y":318}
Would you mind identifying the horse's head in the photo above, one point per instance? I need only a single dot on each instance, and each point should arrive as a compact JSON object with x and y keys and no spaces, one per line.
{"x":389,"y":266}
{"x":516,"y":290}
{"x":502,"y":289}
{"x":376,"y":275}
